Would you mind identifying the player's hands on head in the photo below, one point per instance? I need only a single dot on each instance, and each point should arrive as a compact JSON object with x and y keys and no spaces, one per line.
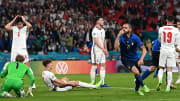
{"x":140,"y":62}
{"x":29,"y":92}
{"x":16,"y":16}
{"x":23,"y":18}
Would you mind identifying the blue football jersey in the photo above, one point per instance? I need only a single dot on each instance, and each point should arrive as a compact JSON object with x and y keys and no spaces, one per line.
{"x":129,"y":47}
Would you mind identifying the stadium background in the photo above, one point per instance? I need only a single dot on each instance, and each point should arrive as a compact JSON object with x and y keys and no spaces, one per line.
{"x":62,"y":28}
{"x":62,"y":31}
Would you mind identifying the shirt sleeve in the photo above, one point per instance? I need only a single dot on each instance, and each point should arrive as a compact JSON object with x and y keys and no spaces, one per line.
{"x":52,"y":77}
{"x":139,"y":42}
{"x":5,"y":72}
{"x":31,"y":77}
{"x":94,"y":34}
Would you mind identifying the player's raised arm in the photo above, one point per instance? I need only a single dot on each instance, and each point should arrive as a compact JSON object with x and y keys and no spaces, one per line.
{"x":116,"y":44}
{"x":29,"y":26}
{"x":9,"y":25}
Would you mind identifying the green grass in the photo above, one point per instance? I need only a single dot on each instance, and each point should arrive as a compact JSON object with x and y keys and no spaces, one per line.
{"x":122,"y":90}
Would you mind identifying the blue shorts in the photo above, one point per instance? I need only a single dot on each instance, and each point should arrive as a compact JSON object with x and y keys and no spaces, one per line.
{"x":129,"y":64}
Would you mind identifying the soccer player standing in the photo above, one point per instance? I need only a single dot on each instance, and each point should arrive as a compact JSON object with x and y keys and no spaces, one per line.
{"x":14,"y":74}
{"x":168,"y":38}
{"x":178,"y":56}
{"x":98,"y":51}
{"x":20,"y":35}
{"x":129,"y":43}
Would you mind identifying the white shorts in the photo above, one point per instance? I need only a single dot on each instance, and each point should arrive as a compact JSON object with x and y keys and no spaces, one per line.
{"x":22,"y":51}
{"x":98,"y":57}
{"x":167,"y":59}
{"x":66,"y":88}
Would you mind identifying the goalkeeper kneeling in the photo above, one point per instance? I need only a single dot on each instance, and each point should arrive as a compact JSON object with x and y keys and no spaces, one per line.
{"x":14,"y":73}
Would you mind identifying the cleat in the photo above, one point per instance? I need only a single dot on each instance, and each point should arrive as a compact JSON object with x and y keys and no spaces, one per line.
{"x":168,"y":90}
{"x":178,"y":81}
{"x":98,"y":85}
{"x":105,"y":85}
{"x":8,"y":95}
{"x":146,"y":89}
{"x":92,"y":83}
{"x":159,"y":87}
{"x":140,"y":93}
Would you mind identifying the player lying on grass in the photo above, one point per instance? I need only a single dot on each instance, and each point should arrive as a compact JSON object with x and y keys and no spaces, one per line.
{"x":14,"y":73}
{"x":55,"y":84}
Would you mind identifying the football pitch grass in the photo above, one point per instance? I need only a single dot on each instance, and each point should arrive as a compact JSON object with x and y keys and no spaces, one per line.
{"x":122,"y":90}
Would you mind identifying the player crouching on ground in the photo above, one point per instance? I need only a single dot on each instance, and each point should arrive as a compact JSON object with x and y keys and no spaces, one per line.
{"x":14,"y":74}
{"x":55,"y":84}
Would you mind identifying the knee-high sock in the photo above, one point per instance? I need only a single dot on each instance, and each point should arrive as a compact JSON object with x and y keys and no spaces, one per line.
{"x":146,"y":74}
{"x":67,"y":88}
{"x":160,"y":75}
{"x":169,"y":79}
{"x":102,"y":74}
{"x":137,"y":85}
{"x":139,"y":78}
{"x":93,"y":72}
{"x":86,"y":85}
{"x":156,"y":72}
{"x":178,"y":65}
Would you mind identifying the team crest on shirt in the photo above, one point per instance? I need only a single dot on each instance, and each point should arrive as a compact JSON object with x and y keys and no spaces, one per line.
{"x":132,"y":43}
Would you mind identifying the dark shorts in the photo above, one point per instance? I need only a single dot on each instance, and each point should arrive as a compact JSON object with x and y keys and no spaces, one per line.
{"x":129,"y":64}
{"x":155,"y":58}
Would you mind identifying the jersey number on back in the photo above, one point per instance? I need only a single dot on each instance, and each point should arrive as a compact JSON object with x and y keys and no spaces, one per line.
{"x":167,"y":37}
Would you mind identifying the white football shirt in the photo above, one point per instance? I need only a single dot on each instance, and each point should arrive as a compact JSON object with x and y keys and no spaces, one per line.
{"x":168,"y":36}
{"x":48,"y":78}
{"x":100,"y":34}
{"x":19,"y":37}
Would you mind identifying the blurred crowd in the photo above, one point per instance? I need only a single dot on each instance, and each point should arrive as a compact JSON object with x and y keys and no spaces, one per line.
{"x":66,"y":25}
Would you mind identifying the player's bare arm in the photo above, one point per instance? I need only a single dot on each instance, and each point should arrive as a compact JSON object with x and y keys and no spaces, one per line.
{"x":29,"y":26}
{"x":9,"y":25}
{"x":116,"y":44}
{"x":99,"y":45}
{"x":140,"y":62}
{"x":149,"y":49}
{"x":105,"y":46}
{"x":177,"y":50}
{"x":63,"y":83}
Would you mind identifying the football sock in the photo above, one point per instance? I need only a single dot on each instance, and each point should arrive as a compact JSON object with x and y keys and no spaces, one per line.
{"x":160,"y":75}
{"x":146,"y":74}
{"x":156,"y":72}
{"x":137,"y":85}
{"x":178,"y":70}
{"x":139,"y":77}
{"x":102,"y":74}
{"x":86,"y":85}
{"x":92,"y":73}
{"x":169,"y":79}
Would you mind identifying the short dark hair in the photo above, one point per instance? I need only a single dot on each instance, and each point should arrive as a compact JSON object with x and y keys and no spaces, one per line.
{"x":129,"y":25}
{"x":170,"y":18}
{"x":96,"y":19}
{"x":46,"y":62}
{"x":20,"y":58}
{"x":19,"y":19}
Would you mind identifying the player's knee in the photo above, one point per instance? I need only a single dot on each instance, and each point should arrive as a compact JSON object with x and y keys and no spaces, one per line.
{"x":152,"y":69}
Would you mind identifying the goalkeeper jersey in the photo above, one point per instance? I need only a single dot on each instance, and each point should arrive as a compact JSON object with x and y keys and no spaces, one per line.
{"x":17,"y":70}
